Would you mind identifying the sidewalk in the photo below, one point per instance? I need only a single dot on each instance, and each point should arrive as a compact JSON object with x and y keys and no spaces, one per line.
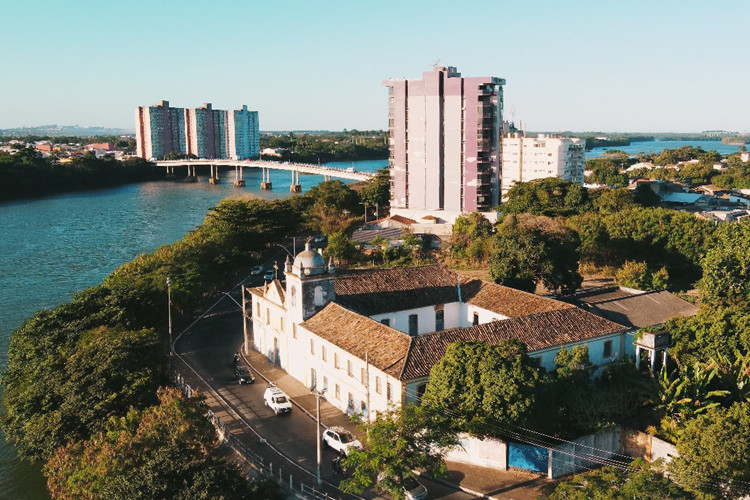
{"x":479,"y":481}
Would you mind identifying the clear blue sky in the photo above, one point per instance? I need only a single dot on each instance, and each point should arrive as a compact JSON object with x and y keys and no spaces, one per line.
{"x":657,"y":65}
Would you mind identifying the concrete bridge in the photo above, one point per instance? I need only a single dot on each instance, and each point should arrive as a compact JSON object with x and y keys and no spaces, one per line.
{"x":295,"y":168}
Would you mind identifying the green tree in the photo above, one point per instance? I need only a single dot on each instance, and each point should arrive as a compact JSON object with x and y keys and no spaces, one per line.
{"x":480,"y":386}
{"x":551,"y":197}
{"x":715,"y":332}
{"x":643,"y":481}
{"x":726,"y":268}
{"x":377,"y":190}
{"x":69,"y":390}
{"x":331,"y":208}
{"x":530,"y":249}
{"x":340,"y":247}
{"x":637,"y":275}
{"x":714,"y":453}
{"x":162,"y":452}
{"x":398,"y":441}
{"x":471,"y":237}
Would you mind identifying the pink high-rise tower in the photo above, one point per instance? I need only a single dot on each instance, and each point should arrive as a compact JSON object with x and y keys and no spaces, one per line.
{"x":445,"y":134}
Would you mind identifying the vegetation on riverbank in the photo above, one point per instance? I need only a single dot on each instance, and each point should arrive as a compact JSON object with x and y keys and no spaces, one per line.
{"x":92,"y":367}
{"x":329,"y":146}
{"x":27,"y":174}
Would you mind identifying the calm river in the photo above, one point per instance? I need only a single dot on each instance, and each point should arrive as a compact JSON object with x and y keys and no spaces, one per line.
{"x":56,"y":246}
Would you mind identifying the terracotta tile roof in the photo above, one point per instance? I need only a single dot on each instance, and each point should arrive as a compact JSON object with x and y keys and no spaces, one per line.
{"x":507,"y":301}
{"x":385,"y":290}
{"x":386,"y":348}
{"x":402,"y":219}
{"x":537,"y":331}
{"x":635,"y":310}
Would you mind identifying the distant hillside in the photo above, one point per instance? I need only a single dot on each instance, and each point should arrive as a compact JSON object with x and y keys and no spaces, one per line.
{"x":63,"y":130}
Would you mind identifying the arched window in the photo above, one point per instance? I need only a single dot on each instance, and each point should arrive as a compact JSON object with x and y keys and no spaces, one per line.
{"x":294,"y":296}
{"x":318,"y":298}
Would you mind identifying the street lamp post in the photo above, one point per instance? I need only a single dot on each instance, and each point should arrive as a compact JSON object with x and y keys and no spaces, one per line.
{"x":317,"y":428}
{"x":169,"y":312}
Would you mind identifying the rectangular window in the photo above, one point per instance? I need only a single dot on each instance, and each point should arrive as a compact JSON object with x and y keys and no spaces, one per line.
{"x":388,"y":390}
{"x":350,"y":401}
{"x":281,"y":323}
{"x":362,"y":376}
{"x":349,"y":367}
{"x":294,"y":330}
{"x":607,"y":349}
{"x":338,"y":392}
{"x":378,"y":389}
{"x":413,"y":324}
{"x":363,"y":407}
{"x":268,"y":316}
{"x":323,"y":352}
{"x":312,"y":347}
{"x":257,"y":309}
{"x":325,"y":383}
{"x":335,"y":360}
{"x":439,"y":320}
{"x":313,"y":379}
{"x":475,"y":319}
{"x":386,"y":321}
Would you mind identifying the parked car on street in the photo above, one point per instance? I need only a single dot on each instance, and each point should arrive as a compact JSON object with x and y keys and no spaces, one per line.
{"x":243,"y":374}
{"x":269,"y":275}
{"x":275,"y":399}
{"x":414,"y":490}
{"x":340,"y":440}
{"x":256,"y":271}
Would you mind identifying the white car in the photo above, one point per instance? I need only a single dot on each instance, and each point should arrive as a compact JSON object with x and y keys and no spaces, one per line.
{"x":275,"y":399}
{"x":257,"y":271}
{"x":414,"y":490}
{"x":340,"y":440}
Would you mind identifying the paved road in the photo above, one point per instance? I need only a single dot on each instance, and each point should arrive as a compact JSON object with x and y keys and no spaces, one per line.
{"x":209,"y":346}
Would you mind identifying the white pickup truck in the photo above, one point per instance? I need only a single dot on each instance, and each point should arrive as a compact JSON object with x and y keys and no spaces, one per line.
{"x":275,"y":399}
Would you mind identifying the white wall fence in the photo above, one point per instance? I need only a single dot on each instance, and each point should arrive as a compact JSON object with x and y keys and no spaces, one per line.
{"x":613,"y":446}
{"x":587,"y":452}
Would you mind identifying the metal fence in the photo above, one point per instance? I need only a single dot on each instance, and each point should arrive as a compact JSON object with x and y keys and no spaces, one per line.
{"x":266,"y":468}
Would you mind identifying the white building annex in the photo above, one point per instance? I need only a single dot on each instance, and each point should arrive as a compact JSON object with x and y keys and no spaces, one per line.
{"x":547,"y":155}
{"x":370,"y":337}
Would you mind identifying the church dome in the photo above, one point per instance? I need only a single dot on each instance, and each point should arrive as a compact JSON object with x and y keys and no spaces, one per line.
{"x":309,"y":263}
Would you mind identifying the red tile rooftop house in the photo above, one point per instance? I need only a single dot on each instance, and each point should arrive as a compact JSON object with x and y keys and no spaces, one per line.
{"x":370,"y":337}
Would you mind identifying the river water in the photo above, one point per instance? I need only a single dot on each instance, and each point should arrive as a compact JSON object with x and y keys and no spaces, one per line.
{"x":55,"y":246}
{"x":658,"y":146}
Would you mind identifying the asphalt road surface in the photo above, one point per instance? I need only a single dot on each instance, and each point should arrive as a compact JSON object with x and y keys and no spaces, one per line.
{"x":209,"y":347}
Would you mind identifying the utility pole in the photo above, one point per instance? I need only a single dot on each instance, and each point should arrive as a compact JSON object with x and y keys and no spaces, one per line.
{"x":317,"y":428}
{"x":367,"y":385}
{"x":169,"y":312}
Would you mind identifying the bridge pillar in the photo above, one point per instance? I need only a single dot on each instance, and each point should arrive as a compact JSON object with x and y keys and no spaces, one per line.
{"x":191,"y":177}
{"x":296,"y":187}
{"x":170,"y":171}
{"x":238,"y":180}
{"x":214,"y":179}
{"x":266,"y":184}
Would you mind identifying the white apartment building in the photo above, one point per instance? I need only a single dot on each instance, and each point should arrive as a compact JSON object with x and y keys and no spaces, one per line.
{"x":370,"y":337}
{"x":529,"y":158}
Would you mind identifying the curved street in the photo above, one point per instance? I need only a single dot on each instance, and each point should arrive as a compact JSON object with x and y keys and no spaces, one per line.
{"x":204,"y":358}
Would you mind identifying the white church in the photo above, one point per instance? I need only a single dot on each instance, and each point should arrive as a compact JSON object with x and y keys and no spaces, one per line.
{"x":370,"y":337}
